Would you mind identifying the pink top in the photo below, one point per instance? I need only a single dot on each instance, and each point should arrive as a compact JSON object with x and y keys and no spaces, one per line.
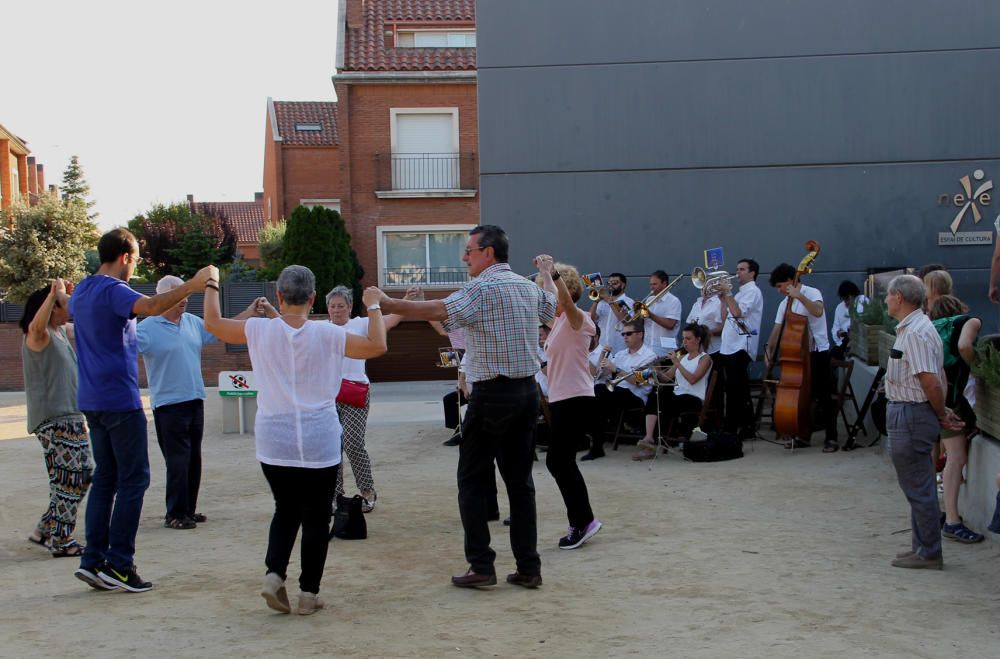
{"x":569,"y":367}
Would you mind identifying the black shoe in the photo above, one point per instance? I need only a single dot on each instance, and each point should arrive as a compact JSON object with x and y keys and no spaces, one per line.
{"x":506,"y":521}
{"x":591,"y":455}
{"x":525,"y":580}
{"x":92,"y":577}
{"x":474,"y":580}
{"x":125,"y":578}
{"x":493,"y":515}
{"x":179,"y":523}
{"x":454,"y":440}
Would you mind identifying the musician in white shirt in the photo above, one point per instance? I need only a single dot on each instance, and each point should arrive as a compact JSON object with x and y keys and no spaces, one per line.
{"x":741,"y":316}
{"x":707,"y":311}
{"x":808,"y":301}
{"x":849,"y":295}
{"x":612,"y":308}
{"x":663,"y":324}
{"x":626,"y":394}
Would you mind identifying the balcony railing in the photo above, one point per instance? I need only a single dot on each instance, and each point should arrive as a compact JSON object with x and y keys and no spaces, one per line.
{"x":416,"y":275}
{"x":426,"y":172}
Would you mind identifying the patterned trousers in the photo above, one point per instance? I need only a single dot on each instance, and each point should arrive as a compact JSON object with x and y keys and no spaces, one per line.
{"x":354,"y":421}
{"x":67,"y":457}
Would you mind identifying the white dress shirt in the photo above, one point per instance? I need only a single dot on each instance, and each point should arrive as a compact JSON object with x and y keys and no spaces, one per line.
{"x":842,"y":319}
{"x":606,"y":320}
{"x":751,"y":303}
{"x":657,"y":338}
{"x":708,"y":312}
{"x":634,"y":361}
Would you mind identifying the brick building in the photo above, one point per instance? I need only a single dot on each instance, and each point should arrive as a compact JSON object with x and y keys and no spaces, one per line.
{"x":21,"y":177}
{"x":246,"y":219}
{"x":396,"y":155}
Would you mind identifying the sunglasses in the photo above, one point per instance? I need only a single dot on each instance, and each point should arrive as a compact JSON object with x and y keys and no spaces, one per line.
{"x":630,"y":333}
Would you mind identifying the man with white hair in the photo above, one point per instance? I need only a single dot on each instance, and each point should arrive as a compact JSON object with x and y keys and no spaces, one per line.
{"x":171,"y":345}
{"x":915,"y":386}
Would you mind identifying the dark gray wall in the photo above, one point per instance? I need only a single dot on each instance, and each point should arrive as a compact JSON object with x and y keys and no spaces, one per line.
{"x":632,"y":135}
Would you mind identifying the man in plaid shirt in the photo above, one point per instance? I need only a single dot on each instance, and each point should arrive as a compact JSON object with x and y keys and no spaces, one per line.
{"x":500,"y":311}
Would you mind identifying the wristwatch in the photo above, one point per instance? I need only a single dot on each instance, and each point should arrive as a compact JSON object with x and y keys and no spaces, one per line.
{"x":556,"y":275}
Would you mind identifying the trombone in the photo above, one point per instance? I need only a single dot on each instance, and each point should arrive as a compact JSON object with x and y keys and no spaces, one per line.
{"x":641,"y":309}
{"x":643,"y":376}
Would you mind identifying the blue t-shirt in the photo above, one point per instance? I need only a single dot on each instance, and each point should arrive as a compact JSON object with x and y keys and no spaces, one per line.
{"x":107,"y":360}
{"x":172,"y":355}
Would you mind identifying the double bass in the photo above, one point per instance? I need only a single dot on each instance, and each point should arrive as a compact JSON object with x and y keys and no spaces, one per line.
{"x":793,"y":397}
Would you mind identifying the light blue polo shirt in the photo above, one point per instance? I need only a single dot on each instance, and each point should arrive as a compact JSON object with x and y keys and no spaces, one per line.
{"x":172,"y":355}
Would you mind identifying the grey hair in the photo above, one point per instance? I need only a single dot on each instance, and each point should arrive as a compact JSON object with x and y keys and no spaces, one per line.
{"x":341,"y":291}
{"x":296,"y":283}
{"x":910,"y":288}
{"x":168,"y":283}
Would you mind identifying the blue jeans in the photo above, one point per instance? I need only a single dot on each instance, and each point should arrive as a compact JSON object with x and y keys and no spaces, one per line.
{"x":121,"y":476}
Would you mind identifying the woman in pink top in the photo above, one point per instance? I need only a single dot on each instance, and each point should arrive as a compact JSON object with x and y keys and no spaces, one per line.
{"x":571,"y":395}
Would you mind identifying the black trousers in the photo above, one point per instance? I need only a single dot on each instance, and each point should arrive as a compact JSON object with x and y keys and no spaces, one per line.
{"x":683,"y":408}
{"x":822,"y":388}
{"x":739,"y":409}
{"x":499,"y":427}
{"x":179,"y":429}
{"x":302,"y":497}
{"x":451,"y":402}
{"x":609,"y":405}
{"x":570,"y":422}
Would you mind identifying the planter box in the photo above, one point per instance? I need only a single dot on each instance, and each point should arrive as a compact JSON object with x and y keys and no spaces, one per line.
{"x":988,"y":409}
{"x":864,"y":342}
{"x":885,"y":343}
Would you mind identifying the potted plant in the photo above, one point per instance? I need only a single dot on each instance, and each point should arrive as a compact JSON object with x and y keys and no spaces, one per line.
{"x":986,"y":370}
{"x":865,"y":329}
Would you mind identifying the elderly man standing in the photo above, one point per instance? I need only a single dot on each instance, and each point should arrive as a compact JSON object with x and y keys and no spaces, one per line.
{"x":171,"y":350}
{"x":915,"y":386}
{"x":500,"y":311}
{"x":104,"y":310}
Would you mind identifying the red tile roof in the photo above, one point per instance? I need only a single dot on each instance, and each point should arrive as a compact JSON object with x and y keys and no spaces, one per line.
{"x":290,"y":113}
{"x":365,"y":46}
{"x":245,"y":217}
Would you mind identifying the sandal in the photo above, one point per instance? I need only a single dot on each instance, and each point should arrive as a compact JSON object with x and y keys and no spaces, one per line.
{"x":40,"y":539}
{"x":368,"y":505}
{"x":199,"y":518}
{"x":176,"y":523}
{"x":962,"y":533}
{"x":644,"y":455}
{"x":71,"y":548}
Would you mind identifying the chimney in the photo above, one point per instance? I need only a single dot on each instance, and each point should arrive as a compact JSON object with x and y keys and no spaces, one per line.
{"x":355,"y":13}
{"x":258,"y":197}
{"x":32,"y":176}
{"x":41,"y":178}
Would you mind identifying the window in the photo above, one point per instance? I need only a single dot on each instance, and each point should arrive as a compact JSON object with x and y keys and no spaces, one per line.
{"x":436,"y":39}
{"x":424,"y":148}
{"x":308,"y":128}
{"x":332,"y":204}
{"x":425,"y":256}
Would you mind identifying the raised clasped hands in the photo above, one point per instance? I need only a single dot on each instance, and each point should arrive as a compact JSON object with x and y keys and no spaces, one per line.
{"x":203,"y":276}
{"x":545,"y":264}
{"x":414,"y":293}
{"x":373,"y":295}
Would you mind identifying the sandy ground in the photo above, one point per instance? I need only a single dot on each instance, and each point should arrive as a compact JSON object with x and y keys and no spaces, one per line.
{"x":772,"y":555}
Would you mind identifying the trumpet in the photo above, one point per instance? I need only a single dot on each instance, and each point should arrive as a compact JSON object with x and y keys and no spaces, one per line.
{"x":594,"y":291}
{"x":709,"y":282}
{"x":641,"y":309}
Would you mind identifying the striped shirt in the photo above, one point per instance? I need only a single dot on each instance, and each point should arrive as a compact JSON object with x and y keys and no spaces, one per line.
{"x":921,"y":350}
{"x":500,"y":311}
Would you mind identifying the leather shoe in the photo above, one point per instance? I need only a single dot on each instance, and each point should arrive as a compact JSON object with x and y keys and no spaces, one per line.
{"x":590,"y":455}
{"x":525,"y":580}
{"x":454,"y":440}
{"x":474,"y":580}
{"x":916,"y":562}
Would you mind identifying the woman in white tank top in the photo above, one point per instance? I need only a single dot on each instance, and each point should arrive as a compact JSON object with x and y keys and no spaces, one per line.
{"x":689,"y":370}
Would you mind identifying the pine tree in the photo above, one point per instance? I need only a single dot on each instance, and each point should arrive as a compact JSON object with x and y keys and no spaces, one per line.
{"x":317,"y":238}
{"x":75,"y":187}
{"x":49,"y":240}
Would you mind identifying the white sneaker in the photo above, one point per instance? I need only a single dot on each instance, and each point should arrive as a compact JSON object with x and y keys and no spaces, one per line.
{"x":274,"y":593}
{"x":309,"y":603}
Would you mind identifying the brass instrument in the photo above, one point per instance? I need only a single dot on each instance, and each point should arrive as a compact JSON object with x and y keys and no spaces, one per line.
{"x":594,"y":288}
{"x":643,"y":375}
{"x":641,"y":309}
{"x":709,"y":282}
{"x":602,"y":362}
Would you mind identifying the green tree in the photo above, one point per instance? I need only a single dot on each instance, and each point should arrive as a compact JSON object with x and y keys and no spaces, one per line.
{"x":75,"y":187}
{"x":317,"y":238}
{"x":49,"y":240}
{"x":175,"y":241}
{"x":271,"y":243}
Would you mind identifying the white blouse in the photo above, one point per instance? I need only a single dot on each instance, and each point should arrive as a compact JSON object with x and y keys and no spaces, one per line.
{"x":354,"y":369}
{"x":298,"y":374}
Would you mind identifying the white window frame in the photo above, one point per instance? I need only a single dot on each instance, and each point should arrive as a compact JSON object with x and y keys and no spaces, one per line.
{"x":325,"y":203}
{"x":381,"y":231}
{"x":394,"y":146}
{"x":454,"y":30}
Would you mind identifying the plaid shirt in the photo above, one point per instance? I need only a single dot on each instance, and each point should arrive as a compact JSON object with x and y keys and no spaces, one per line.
{"x":500,"y":311}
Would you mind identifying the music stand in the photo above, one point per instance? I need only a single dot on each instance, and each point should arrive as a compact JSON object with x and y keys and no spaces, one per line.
{"x":452,"y":358}
{"x":859,"y":423}
{"x":660,"y":442}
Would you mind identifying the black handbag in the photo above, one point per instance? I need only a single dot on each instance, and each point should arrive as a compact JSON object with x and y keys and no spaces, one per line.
{"x":718,"y":446}
{"x":348,"y":520}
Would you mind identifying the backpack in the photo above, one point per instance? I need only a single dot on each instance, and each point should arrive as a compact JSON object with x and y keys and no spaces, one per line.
{"x":955,"y":368}
{"x":718,"y":446}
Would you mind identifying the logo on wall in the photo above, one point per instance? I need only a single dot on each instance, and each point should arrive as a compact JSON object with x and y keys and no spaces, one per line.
{"x":976,"y":193}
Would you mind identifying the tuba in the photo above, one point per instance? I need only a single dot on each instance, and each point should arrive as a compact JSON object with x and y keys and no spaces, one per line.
{"x":709,"y":282}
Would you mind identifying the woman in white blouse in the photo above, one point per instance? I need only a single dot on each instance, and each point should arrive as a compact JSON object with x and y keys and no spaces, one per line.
{"x":297,"y":363}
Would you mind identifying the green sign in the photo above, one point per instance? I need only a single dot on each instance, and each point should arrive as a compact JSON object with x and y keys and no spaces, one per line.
{"x":238,"y":394}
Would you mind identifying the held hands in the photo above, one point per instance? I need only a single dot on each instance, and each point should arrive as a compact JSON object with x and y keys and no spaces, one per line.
{"x":544,"y":264}
{"x":373,"y":295}
{"x":202,"y":277}
{"x":951,"y":421}
{"x":262,"y":307}
{"x":414,"y":293}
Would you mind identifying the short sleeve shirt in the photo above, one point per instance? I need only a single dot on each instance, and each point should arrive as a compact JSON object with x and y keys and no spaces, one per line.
{"x":607,"y":321}
{"x":171,"y":353}
{"x":354,"y":369}
{"x":751,"y":303}
{"x":107,"y":354}
{"x":668,"y":306}
{"x":919,"y":348}
{"x":708,"y":312}
{"x":817,"y":325}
